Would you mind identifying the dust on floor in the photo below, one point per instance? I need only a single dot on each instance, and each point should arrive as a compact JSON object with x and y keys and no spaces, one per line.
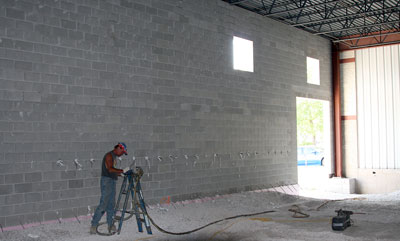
{"x":376,"y":218}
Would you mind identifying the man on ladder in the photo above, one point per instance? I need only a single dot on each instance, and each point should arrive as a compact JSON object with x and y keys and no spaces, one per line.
{"x":108,"y":182}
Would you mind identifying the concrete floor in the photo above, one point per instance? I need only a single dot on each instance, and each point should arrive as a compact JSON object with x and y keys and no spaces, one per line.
{"x":380,"y":220}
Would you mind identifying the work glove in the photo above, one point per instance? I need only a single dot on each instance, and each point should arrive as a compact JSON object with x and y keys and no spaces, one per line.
{"x":127,"y":171}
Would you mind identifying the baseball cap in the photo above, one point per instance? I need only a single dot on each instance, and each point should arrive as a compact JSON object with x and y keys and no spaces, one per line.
{"x":122,"y":145}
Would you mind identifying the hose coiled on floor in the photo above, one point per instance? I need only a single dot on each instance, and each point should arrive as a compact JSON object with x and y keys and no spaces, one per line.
{"x":209,"y":224}
{"x":144,"y":212}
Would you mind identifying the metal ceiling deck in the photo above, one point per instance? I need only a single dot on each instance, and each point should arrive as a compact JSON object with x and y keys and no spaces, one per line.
{"x":348,"y":22}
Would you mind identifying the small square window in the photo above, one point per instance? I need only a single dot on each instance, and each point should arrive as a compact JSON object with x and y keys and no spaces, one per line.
{"x":313,"y":71}
{"x":243,"y":54}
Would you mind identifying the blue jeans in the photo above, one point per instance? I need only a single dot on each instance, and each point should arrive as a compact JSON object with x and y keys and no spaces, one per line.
{"x":107,"y":201}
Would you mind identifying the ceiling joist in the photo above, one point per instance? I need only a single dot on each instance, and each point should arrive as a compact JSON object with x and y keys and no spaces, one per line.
{"x":337,"y":20}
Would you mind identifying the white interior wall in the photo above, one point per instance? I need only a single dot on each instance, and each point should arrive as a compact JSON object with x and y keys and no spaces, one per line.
{"x":378,"y":98}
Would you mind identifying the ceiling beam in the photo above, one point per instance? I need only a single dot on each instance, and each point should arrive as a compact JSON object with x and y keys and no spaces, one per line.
{"x":302,"y":8}
{"x":362,"y":14}
{"x":234,"y":2}
{"x":373,"y":45}
{"x":364,"y":37}
{"x":332,"y":19}
{"x":356,"y":27}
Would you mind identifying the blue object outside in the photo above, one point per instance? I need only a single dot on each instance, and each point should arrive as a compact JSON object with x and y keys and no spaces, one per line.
{"x":309,"y":156}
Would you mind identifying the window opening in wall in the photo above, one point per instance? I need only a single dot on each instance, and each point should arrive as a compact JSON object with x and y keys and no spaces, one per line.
{"x":243,"y":54}
{"x":313,"y":142}
{"x":313,"y":71}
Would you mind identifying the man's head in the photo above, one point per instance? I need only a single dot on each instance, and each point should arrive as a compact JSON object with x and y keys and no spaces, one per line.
{"x":120,"y":149}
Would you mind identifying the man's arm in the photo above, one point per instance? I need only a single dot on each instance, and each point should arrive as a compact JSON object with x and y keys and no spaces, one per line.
{"x":110,"y":165}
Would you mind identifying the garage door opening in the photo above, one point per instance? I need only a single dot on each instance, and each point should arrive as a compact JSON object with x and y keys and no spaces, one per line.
{"x":314,"y":162}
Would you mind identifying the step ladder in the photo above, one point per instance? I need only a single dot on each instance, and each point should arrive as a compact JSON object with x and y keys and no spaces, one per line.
{"x":131,"y":189}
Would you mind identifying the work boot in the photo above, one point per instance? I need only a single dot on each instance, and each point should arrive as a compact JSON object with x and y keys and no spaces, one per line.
{"x":93,"y":230}
{"x":112,"y":229}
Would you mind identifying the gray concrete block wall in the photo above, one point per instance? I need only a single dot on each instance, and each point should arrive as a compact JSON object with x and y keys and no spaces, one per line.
{"x":78,"y":76}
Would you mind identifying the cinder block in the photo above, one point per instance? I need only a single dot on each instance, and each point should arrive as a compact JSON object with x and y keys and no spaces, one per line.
{"x":41,"y":126}
{"x":14,"y":178}
{"x":23,"y":208}
{"x":91,"y":182}
{"x":91,"y":91}
{"x":6,"y":22}
{"x":75,"y":90}
{"x":15,"y":13}
{"x":68,"y":194}
{"x":33,"y":177}
{"x":127,"y":3}
{"x":32,"y":97}
{"x":50,"y":215}
{"x":67,"y":80}
{"x":59,"y":50}
{"x":30,"y":76}
{"x":68,"y":175}
{"x":59,"y":185}
{"x":75,"y":35}
{"x":41,"y":186}
{"x":341,"y":185}
{"x":3,"y":221}
{"x":59,"y":70}
{"x":41,"y":48}
{"x":159,"y":193}
{"x":87,"y":192}
{"x":95,"y":65}
{"x":6,"y":189}
{"x":68,"y":6}
{"x":14,"y":220}
{"x":75,"y":183}
{"x":13,"y":95}
{"x":42,"y":206}
{"x":164,"y":145}
{"x":60,"y":204}
{"x":24,"y":86}
{"x":77,"y":72}
{"x":58,"y":89}
{"x":75,"y":53}
{"x":43,"y":29}
{"x":33,"y":218}
{"x":49,"y":78}
{"x":59,"y":33}
{"x":33,"y":197}
{"x":68,"y":24}
{"x":26,"y":46}
{"x":24,"y":26}
{"x":84,"y":10}
{"x":51,"y":175}
{"x":91,"y":38}
{"x":23,"y":188}
{"x":6,"y":63}
{"x":51,"y":195}
{"x":68,"y":212}
{"x":86,"y":28}
{"x":5,"y":126}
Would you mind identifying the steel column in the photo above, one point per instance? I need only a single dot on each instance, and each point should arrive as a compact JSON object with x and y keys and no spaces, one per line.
{"x":337,"y":110}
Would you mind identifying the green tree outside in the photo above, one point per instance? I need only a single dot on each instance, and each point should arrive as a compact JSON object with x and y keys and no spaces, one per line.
{"x":310,"y":122}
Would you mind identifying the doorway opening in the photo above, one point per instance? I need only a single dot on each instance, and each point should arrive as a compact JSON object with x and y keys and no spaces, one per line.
{"x":314,"y":162}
